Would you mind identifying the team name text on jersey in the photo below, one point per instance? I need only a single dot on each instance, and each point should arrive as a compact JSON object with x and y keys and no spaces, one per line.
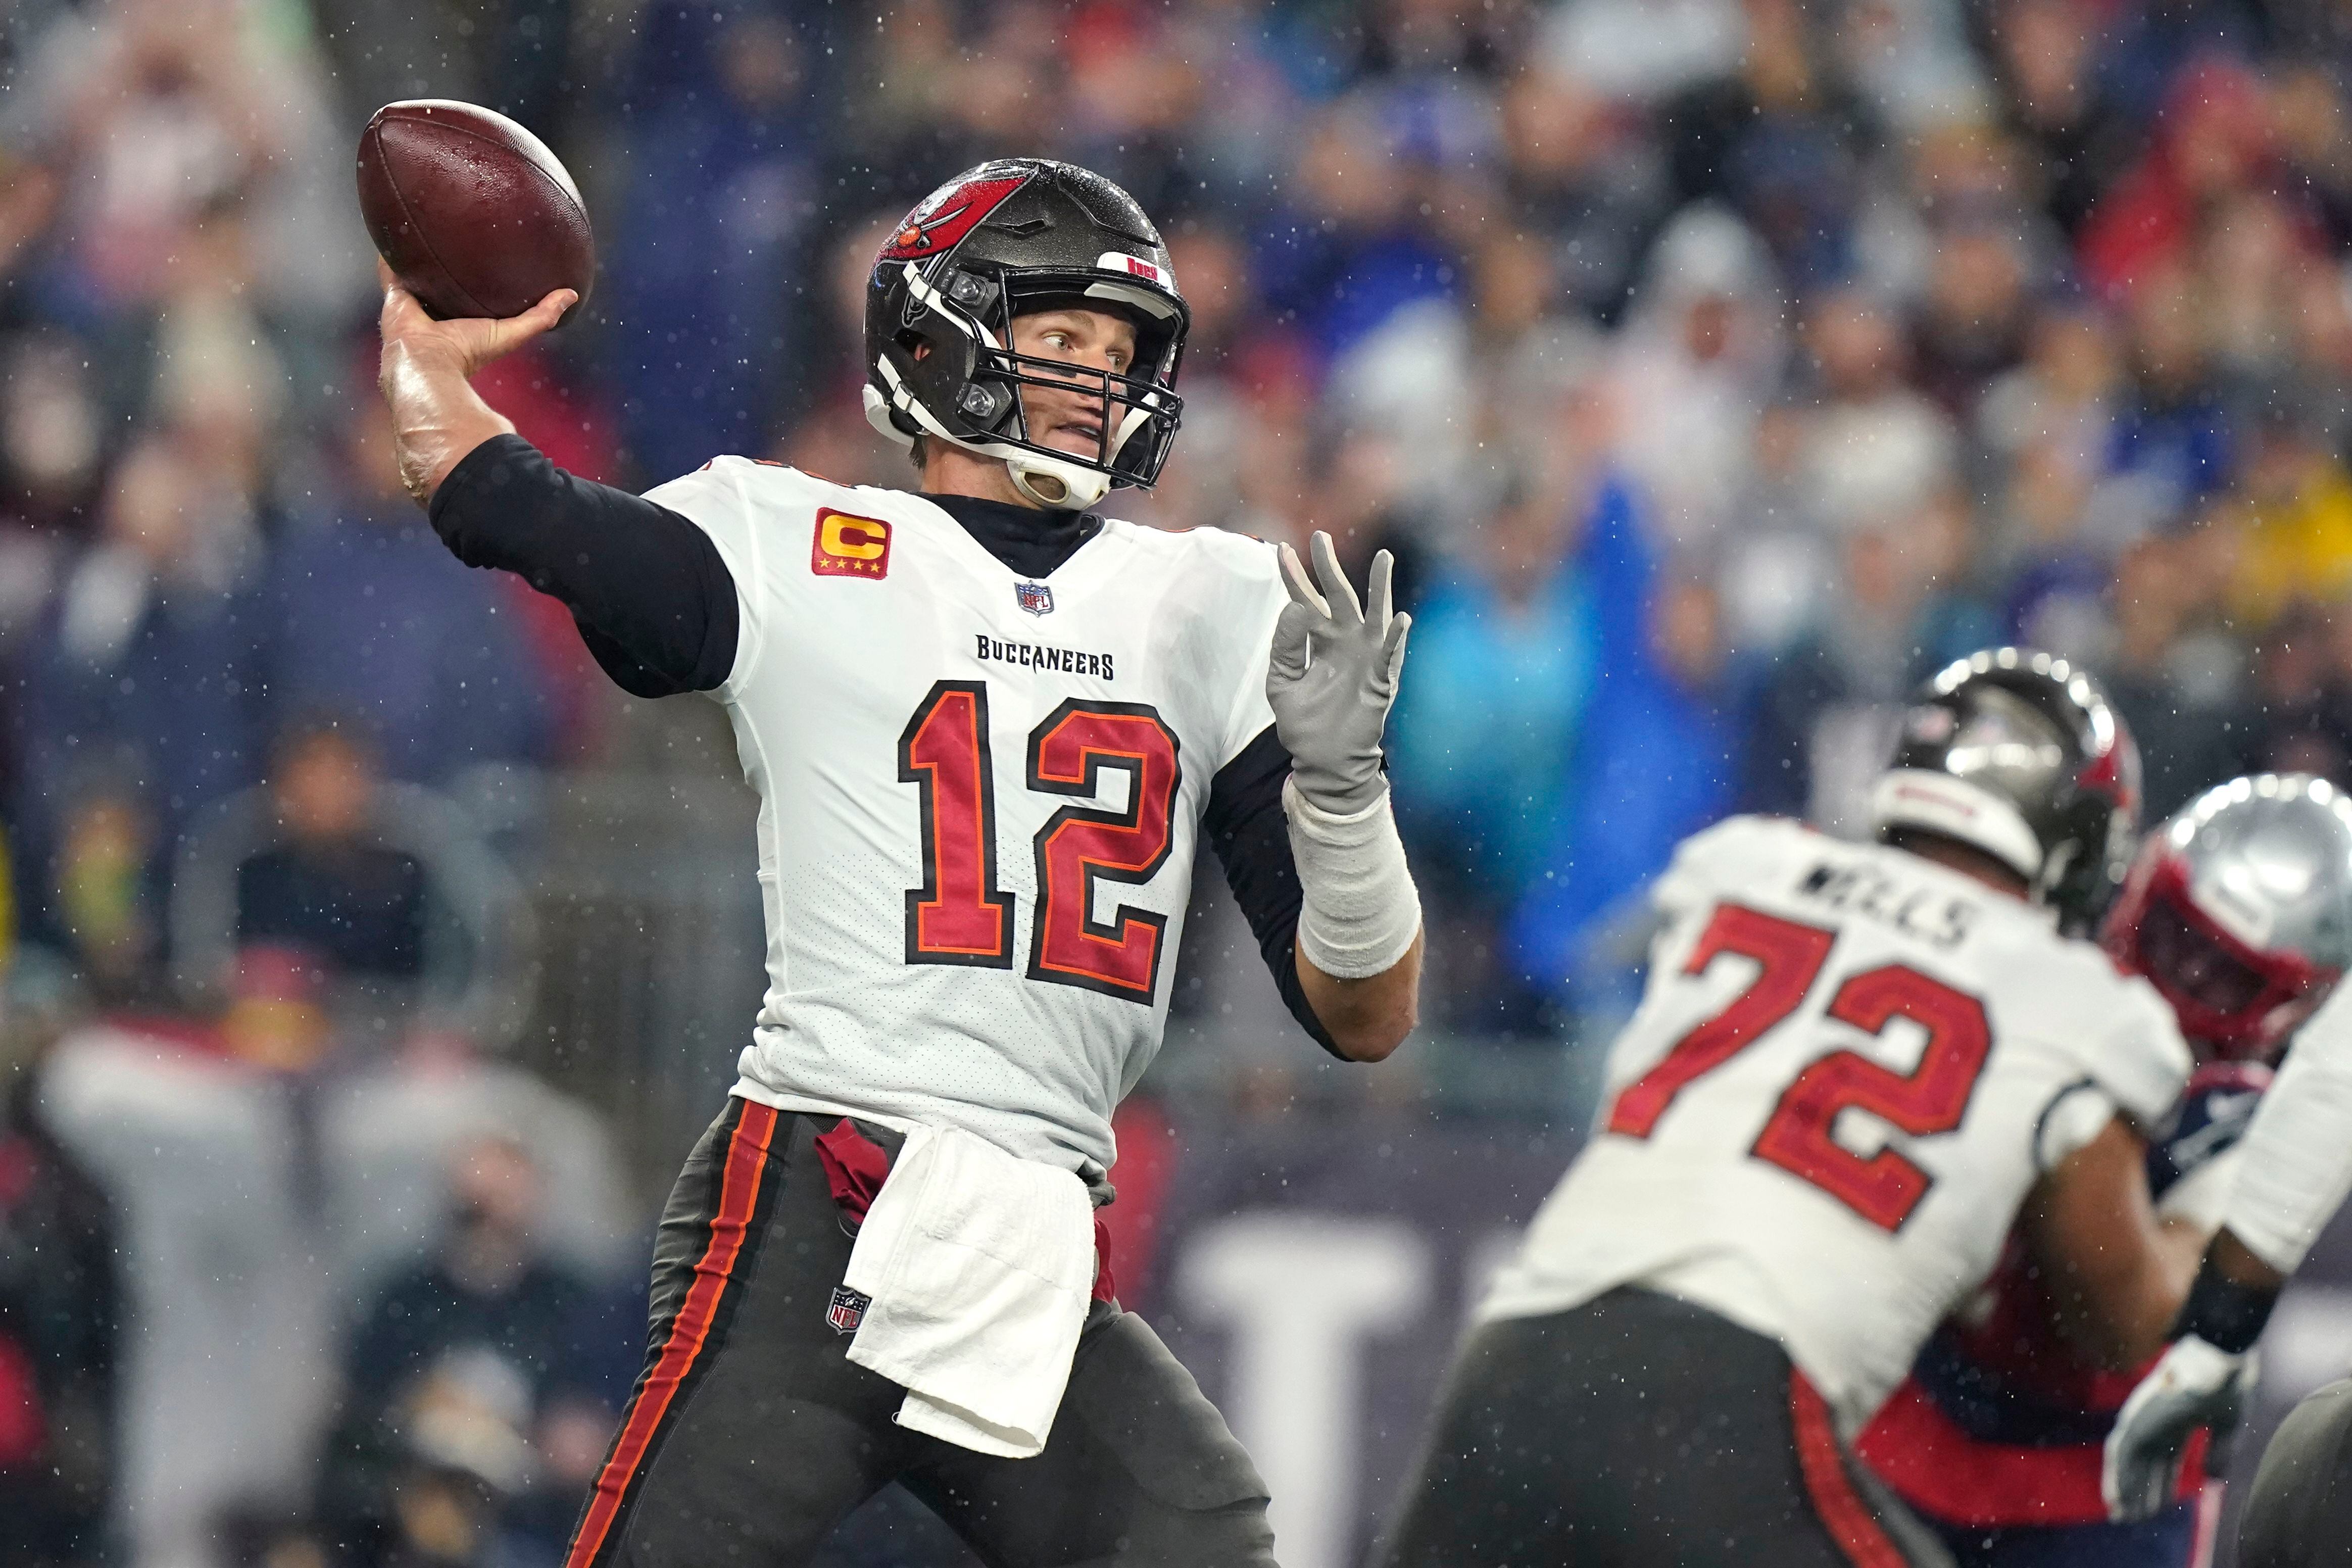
{"x":1032,"y":656}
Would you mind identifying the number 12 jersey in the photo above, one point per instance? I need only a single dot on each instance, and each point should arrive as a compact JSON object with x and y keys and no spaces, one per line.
{"x":1849,"y":1067}
{"x":980,"y":797}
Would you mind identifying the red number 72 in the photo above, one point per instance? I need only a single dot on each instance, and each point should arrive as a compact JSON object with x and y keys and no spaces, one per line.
{"x":1883,"y":1187}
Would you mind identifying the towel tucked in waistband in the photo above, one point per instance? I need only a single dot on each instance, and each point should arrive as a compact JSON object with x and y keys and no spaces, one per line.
{"x":980,"y":1267}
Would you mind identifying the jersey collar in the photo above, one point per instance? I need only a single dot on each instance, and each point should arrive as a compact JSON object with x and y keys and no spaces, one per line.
{"x":1030,"y":542}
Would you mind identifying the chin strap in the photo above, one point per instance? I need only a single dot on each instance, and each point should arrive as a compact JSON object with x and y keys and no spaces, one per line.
{"x":1049,"y":483}
{"x":1045,"y":481}
{"x":1054,"y":485}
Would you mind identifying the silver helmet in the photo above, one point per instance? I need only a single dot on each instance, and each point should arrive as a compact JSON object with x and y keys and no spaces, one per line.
{"x":2238,"y":909}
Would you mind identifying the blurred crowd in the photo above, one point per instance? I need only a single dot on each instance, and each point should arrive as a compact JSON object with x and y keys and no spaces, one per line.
{"x":1716,"y":368}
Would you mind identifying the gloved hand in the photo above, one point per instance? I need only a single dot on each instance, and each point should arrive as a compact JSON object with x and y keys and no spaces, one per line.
{"x":1331,"y":677}
{"x":2193,"y":1385}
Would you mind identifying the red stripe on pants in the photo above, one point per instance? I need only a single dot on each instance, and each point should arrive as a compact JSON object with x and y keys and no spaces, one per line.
{"x":739,"y":1199}
{"x":1850,"y":1519}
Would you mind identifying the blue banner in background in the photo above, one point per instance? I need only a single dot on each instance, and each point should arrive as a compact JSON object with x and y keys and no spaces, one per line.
{"x":1315,"y":1275}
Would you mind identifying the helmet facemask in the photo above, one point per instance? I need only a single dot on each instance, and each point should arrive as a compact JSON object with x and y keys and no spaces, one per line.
{"x":2239,"y":911}
{"x":967,"y":388}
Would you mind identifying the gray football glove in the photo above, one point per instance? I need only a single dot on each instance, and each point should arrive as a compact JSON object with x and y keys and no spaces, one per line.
{"x":1331,"y":677}
{"x":2195,"y":1385}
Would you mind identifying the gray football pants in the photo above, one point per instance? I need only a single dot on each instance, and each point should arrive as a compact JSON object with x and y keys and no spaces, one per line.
{"x":750,"y":1434}
{"x":1636,"y":1431}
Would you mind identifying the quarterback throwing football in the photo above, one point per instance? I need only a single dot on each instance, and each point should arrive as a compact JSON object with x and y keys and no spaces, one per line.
{"x":989,"y":729}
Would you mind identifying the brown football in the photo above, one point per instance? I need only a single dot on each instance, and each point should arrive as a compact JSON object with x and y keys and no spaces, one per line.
{"x":473,"y":212}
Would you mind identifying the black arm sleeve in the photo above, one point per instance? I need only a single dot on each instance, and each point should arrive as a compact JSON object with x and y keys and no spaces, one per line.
{"x":654,"y":602}
{"x":2223,"y":1313}
{"x":1244,"y":825}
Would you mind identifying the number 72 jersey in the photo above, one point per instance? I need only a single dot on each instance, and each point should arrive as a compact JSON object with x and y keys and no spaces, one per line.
{"x":978,"y":797}
{"x":1850,"y":1067}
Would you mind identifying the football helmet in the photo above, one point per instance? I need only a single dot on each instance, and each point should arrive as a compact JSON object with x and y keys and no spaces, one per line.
{"x":2018,"y":754}
{"x":2239,"y":910}
{"x":1016,"y":234}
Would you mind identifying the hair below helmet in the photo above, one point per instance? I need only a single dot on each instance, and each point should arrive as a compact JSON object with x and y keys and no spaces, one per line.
{"x":999,"y":239}
{"x":2018,"y":755}
{"x":2239,"y":910}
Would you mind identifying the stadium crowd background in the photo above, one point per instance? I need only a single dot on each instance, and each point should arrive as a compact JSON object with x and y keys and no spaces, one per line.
{"x":1716,"y":368}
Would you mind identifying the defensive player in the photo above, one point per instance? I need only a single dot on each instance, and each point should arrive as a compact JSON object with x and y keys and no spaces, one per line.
{"x":988,"y":729}
{"x":2239,"y":910}
{"x":2296,"y":1169}
{"x":1852,"y":1067}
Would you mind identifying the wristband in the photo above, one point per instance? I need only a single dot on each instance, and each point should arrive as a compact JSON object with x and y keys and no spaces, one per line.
{"x":2223,"y":1313}
{"x":1359,"y":911}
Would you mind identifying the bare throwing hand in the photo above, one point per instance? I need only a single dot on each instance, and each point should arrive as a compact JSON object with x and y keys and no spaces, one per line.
{"x":437,"y":418}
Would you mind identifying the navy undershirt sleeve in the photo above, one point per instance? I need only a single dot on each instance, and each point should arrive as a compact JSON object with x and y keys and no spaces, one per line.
{"x":654,"y":601}
{"x":1245,"y":827}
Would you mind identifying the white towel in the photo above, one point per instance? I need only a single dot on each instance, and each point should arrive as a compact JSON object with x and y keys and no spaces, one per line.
{"x":981,"y":1266}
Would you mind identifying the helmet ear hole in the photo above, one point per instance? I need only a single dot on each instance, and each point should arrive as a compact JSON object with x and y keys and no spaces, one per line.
{"x":1051,"y":489}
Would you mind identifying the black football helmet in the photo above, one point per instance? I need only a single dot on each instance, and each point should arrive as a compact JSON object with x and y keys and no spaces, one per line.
{"x":1016,"y":234}
{"x":2018,"y":754}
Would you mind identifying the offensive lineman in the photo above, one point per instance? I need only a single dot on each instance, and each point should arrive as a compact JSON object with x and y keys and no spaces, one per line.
{"x":1852,"y":1067}
{"x":988,"y":729}
{"x":2239,"y":911}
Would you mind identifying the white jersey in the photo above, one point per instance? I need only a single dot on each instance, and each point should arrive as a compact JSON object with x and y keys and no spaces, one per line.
{"x":1850,"y":1067}
{"x":978,"y":797}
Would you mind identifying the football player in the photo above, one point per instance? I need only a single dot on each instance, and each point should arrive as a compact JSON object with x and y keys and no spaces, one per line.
{"x":2239,"y":910}
{"x":989,"y":729}
{"x":1852,"y":1067}
{"x":2296,"y":1168}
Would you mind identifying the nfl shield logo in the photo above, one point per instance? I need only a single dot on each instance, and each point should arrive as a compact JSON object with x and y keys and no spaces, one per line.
{"x":1035,"y":598}
{"x":847,"y":1310}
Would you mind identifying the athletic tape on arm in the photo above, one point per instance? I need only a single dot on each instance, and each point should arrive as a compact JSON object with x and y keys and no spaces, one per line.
{"x":1359,"y":910}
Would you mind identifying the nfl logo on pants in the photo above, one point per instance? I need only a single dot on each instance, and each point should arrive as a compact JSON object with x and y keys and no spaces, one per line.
{"x":847,"y":1310}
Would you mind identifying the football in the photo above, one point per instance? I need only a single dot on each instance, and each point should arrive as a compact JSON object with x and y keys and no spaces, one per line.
{"x":473,"y":214}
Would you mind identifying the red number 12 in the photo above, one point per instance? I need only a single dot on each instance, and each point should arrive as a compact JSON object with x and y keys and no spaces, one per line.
{"x":959,"y":914}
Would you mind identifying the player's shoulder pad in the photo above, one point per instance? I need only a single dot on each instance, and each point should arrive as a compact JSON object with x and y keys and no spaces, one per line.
{"x":1233,"y":580}
{"x":1736,"y":844}
{"x":1216,"y":550}
{"x":1738,"y":852}
{"x":739,"y":500}
{"x":2073,"y":994}
{"x":758,"y":478}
